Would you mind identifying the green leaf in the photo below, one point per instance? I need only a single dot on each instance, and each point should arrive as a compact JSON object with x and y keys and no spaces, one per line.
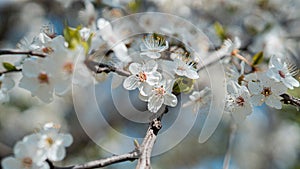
{"x":73,"y":38}
{"x":220,"y":31}
{"x":257,"y":58}
{"x":134,"y":5}
{"x":183,"y":84}
{"x":9,"y":66}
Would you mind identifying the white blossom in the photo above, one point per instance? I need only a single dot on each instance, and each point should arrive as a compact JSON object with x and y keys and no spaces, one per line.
{"x":88,"y":15}
{"x":143,"y":76}
{"x":266,"y":90}
{"x":53,"y":142}
{"x":110,"y":36}
{"x":38,"y":79}
{"x":235,"y":75}
{"x":153,"y":46}
{"x":27,"y":155}
{"x":198,"y":99}
{"x":182,"y":68}
{"x":280,"y":72}
{"x":238,"y":102}
{"x":229,"y":47}
{"x":160,"y":94}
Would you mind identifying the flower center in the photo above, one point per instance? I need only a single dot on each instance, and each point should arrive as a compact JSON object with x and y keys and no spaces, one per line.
{"x":266,"y":91}
{"x":27,"y":162}
{"x":159,"y":91}
{"x":142,"y":76}
{"x":240,"y":101}
{"x":47,"y":50}
{"x":49,"y":141}
{"x":68,"y":67}
{"x":181,"y":68}
{"x":281,"y":74}
{"x":43,"y":78}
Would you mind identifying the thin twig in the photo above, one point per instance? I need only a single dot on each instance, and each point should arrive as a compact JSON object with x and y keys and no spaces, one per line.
{"x":102,"y":67}
{"x":102,"y":162}
{"x":17,"y":52}
{"x":10,"y":71}
{"x":287,"y":99}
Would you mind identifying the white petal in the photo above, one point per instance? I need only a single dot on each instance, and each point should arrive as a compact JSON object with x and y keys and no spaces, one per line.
{"x":56,"y":153}
{"x":45,"y":93}
{"x":153,"y":55}
{"x":273,"y":101}
{"x":153,"y":78}
{"x":67,"y":139}
{"x":145,"y":89}
{"x":30,"y":68}
{"x":155,"y":102}
{"x":195,"y":96}
{"x":257,"y":100}
{"x":278,"y":88}
{"x":135,"y":68}
{"x":131,"y":82}
{"x":192,"y":74}
{"x":144,"y":98}
{"x":170,"y":100}
{"x":292,"y":81}
{"x":150,"y":66}
{"x":11,"y":163}
{"x":276,"y":62}
{"x":254,"y":87}
{"x":7,"y":84}
{"x":62,"y":87}
{"x":29,"y":83}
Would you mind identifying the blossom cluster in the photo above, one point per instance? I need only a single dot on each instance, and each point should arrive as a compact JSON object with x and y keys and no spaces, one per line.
{"x":246,"y":90}
{"x":33,"y":150}
{"x":154,"y":76}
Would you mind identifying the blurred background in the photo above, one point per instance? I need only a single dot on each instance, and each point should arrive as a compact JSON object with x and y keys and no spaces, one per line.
{"x":268,"y":139}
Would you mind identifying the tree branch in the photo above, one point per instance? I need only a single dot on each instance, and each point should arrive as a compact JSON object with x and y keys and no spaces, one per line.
{"x":102,"y":67}
{"x":16,"y":52}
{"x":287,"y":99}
{"x":143,"y":152}
{"x":149,"y":140}
{"x":131,"y":156}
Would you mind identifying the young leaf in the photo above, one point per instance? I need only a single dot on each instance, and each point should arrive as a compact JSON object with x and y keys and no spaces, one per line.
{"x":9,"y":66}
{"x":257,"y":58}
{"x":183,"y":84}
{"x":220,"y":31}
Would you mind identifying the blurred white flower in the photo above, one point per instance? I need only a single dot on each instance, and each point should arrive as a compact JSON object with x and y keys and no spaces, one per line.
{"x":238,"y":102}
{"x":143,"y":76}
{"x":198,"y":99}
{"x":88,"y":15}
{"x":185,"y":69}
{"x":63,"y":60}
{"x":235,"y":75}
{"x":111,"y":37}
{"x":27,"y":155}
{"x":38,"y":79}
{"x":6,"y":83}
{"x":280,"y":72}
{"x":230,"y":47}
{"x":266,"y":90}
{"x":161,"y":94}
{"x":153,"y":45}
{"x":53,"y":142}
